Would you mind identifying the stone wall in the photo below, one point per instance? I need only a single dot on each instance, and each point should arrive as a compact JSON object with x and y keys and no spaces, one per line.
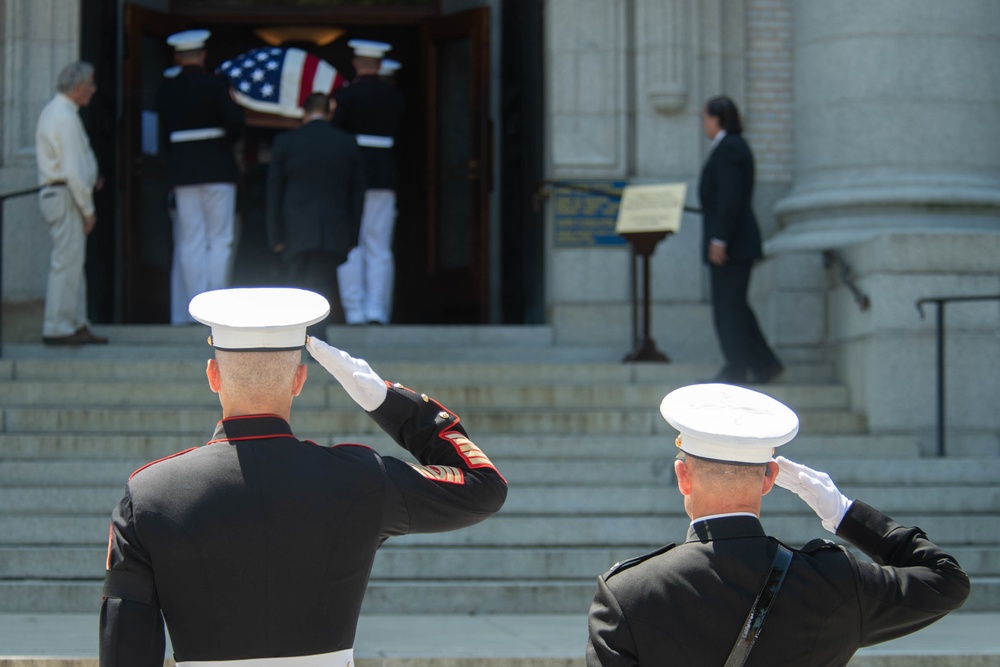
{"x":39,"y":38}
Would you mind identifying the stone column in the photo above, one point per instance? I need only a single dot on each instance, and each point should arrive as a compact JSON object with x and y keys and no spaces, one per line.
{"x":896,"y":108}
{"x":897,"y":168}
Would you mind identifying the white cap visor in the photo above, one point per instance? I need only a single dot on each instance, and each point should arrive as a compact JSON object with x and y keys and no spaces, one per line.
{"x":259,"y":318}
{"x":368,"y":49}
{"x":728,"y":423}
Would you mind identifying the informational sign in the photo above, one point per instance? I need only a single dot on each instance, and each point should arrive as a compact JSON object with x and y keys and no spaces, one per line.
{"x":585,"y":213}
{"x":651,"y":208}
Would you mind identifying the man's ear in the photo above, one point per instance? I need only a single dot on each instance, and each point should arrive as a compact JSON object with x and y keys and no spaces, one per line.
{"x":683,"y":472}
{"x":212,"y":373}
{"x":770,"y":474}
{"x":300,"y":379}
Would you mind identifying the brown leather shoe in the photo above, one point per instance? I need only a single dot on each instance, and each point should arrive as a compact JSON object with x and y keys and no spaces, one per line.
{"x":91,"y":338}
{"x":78,"y":338}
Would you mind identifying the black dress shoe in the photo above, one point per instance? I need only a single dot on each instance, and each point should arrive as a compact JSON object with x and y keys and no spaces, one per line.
{"x":772,"y":374}
{"x":728,"y":376}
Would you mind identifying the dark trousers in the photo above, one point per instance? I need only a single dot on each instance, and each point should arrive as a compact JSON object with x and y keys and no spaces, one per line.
{"x":316,"y":270}
{"x":742,"y":343}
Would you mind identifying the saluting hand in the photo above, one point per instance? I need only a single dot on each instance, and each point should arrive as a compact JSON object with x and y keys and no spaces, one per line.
{"x":816,"y":489}
{"x":355,"y":375}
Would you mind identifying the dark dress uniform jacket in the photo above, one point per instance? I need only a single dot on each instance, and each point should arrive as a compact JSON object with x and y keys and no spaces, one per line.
{"x":315,"y":190}
{"x":195,"y":100}
{"x":725,"y":191}
{"x":371,"y":106}
{"x":686,"y":605}
{"x":260,"y":545}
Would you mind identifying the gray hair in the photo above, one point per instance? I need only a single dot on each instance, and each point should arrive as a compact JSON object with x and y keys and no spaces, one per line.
{"x":73,"y":74}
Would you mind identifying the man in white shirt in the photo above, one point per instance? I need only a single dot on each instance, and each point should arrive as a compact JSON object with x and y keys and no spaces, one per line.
{"x":67,"y":174}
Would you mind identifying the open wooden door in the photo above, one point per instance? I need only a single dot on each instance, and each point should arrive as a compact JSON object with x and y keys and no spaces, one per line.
{"x":459,"y":178}
{"x":146,"y":232}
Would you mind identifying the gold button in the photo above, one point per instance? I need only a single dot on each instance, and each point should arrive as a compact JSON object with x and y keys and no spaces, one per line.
{"x":443,"y":415}
{"x":424,"y":396}
{"x":398,"y":385}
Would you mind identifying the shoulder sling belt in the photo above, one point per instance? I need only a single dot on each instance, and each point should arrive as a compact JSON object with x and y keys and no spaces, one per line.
{"x":755,"y":619}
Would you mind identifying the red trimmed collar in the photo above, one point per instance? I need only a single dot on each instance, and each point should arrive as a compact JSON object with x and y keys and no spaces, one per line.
{"x":251,"y":427}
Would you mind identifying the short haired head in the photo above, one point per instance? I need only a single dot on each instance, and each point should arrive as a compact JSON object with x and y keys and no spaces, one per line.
{"x":74,"y":74}
{"x":316,"y":103}
{"x":723,"y":108}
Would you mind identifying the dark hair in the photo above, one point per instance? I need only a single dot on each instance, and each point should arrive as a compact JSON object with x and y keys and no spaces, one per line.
{"x":316,"y":103}
{"x":725,"y":110}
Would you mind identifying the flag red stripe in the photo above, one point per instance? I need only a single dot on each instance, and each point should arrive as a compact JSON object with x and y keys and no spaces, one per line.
{"x":306,"y":80}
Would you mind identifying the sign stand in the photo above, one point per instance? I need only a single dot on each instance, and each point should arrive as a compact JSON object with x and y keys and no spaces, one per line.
{"x":647,"y":215}
{"x":644,"y":349}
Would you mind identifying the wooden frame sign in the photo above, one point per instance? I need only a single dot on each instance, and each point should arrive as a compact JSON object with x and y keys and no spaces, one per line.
{"x":651,"y":208}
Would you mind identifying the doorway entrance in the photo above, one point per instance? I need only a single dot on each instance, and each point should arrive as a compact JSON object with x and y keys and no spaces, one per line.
{"x":444,"y":155}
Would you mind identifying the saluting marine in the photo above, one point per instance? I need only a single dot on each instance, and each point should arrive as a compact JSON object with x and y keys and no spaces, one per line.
{"x":257,"y":547}
{"x":730,"y":592}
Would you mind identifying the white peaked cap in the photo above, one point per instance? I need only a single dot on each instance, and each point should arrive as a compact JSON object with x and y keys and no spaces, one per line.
{"x":258,"y":318}
{"x":369,"y":49}
{"x":727,"y":423}
{"x":388,"y":67}
{"x":189,"y":40}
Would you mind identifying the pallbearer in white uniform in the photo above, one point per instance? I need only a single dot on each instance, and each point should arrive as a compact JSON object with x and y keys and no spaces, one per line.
{"x":256,"y":547}
{"x":372,"y":110}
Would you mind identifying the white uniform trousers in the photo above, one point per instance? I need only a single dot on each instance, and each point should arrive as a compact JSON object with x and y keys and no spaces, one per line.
{"x":203,"y":243}
{"x":368,"y":276}
{"x":343,"y":658}
{"x":66,"y":291}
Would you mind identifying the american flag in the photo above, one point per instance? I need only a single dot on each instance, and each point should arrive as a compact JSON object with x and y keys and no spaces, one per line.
{"x":277,"y":80}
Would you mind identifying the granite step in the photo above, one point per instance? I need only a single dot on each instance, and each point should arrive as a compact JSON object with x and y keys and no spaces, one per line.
{"x":394,"y":562}
{"x":194,"y":421}
{"x":145,"y":447}
{"x":483,"y":596}
{"x":544,"y":499}
{"x":503,"y":531}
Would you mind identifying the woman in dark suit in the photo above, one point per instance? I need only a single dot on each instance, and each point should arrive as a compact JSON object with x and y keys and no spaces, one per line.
{"x":731,"y":244}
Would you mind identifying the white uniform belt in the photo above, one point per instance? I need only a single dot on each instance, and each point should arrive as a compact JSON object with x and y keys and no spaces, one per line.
{"x":343,"y":658}
{"x":375,"y":141}
{"x":200,"y":134}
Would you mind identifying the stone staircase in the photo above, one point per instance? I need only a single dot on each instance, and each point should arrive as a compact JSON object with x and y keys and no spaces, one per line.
{"x":577,"y":434}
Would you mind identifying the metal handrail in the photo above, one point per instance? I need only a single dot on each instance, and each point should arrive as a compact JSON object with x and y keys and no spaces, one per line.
{"x":3,"y":200}
{"x":940,"y":301}
{"x":833,"y":259}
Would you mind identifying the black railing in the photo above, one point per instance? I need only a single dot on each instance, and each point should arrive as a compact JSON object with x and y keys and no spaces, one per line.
{"x":940,"y":301}
{"x":3,"y":200}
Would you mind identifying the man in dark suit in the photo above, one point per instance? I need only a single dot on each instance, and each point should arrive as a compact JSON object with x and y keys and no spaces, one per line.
{"x":201,"y":124}
{"x":372,"y":110}
{"x":730,"y":246}
{"x":315,"y":195}
{"x":691,"y":604}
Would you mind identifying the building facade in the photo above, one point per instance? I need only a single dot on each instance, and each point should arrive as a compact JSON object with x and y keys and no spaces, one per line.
{"x":874,"y":127}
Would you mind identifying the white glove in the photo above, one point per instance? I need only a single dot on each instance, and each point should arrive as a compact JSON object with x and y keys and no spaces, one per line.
{"x":816,"y":488}
{"x":355,"y":375}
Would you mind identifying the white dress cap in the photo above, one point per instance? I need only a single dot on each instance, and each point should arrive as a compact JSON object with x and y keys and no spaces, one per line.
{"x":727,"y":423}
{"x":369,"y":49}
{"x":388,"y":67}
{"x":189,"y":40}
{"x":258,"y":318}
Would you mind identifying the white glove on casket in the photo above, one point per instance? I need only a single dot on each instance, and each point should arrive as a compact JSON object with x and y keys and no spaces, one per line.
{"x":355,"y":375}
{"x":816,"y":489}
